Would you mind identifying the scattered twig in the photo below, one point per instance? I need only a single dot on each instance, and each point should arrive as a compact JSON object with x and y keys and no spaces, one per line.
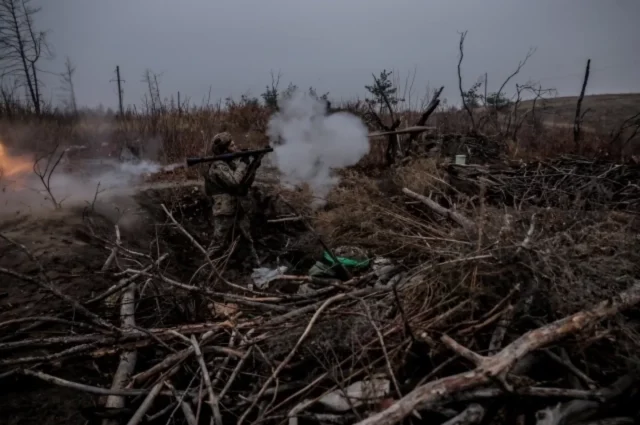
{"x":82,"y":387}
{"x":489,"y":367}
{"x":467,"y":224}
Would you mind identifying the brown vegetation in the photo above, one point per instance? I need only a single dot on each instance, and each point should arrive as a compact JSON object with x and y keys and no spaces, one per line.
{"x":488,"y":261}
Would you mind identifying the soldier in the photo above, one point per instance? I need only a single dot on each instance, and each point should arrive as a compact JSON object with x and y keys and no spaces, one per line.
{"x":228,"y":183}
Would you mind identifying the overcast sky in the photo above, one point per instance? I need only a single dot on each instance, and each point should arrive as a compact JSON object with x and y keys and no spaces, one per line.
{"x":335,"y":45}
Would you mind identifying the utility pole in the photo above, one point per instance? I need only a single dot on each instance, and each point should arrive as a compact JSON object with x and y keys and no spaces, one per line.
{"x":119,"y":81}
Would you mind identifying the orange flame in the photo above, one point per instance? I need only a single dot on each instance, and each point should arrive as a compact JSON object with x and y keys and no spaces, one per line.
{"x":13,"y":166}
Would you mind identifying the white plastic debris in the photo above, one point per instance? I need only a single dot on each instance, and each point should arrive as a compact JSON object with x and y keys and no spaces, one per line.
{"x":262,"y":276}
{"x":356,"y":394}
{"x":359,"y":393}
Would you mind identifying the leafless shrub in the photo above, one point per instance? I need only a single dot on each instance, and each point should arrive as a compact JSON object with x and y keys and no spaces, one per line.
{"x":44,"y":166}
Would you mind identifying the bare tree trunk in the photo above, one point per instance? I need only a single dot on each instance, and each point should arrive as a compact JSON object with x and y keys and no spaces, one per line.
{"x":578,"y":118}
{"x":67,"y":85}
{"x":22,"y":47}
{"x":36,"y":89}
{"x":435,"y":101}
{"x":120,"y":106}
{"x":23,"y":58}
{"x":464,"y":101}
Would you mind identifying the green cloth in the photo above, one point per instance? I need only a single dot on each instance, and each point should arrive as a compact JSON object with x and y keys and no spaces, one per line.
{"x":328,"y":268}
{"x":347,"y":262}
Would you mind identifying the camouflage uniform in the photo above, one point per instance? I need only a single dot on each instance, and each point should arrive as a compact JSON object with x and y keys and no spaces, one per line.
{"x":230,"y":206}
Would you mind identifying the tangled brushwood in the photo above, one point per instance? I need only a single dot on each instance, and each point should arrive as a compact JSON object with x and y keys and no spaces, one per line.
{"x":495,"y":294}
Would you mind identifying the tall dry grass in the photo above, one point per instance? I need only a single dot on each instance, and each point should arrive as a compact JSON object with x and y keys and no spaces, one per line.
{"x":171,"y":133}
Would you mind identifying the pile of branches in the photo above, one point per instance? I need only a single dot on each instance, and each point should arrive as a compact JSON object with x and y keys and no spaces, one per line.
{"x":477,"y":147}
{"x":566,"y":182}
{"x":505,"y":318}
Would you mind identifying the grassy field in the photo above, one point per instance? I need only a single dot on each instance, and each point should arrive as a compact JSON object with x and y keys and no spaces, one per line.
{"x":606,"y":111}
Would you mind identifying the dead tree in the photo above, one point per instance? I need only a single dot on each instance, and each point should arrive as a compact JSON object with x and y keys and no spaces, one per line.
{"x":516,"y":118}
{"x":498,"y":94}
{"x":577,"y":121}
{"x":67,"y":86}
{"x":431,"y":107}
{"x":539,"y":93}
{"x":154,"y":101}
{"x":21,"y":47}
{"x":51,"y":160}
{"x":463,"y":35}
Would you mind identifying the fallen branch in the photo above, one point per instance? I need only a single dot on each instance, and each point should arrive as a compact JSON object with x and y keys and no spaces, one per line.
{"x":468,"y":225}
{"x":114,"y":251}
{"x":213,"y":399}
{"x":81,"y":387}
{"x":146,"y":405}
{"x":128,"y":359}
{"x":498,"y":365}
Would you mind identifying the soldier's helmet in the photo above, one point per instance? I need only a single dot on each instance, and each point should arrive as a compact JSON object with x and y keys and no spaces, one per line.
{"x":221,"y":142}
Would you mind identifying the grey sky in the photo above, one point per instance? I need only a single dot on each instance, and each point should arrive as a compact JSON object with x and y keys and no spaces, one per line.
{"x":335,"y":45}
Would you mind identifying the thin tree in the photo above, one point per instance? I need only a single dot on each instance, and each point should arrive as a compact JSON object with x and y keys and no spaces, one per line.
{"x":577,"y":121}
{"x":67,"y":86}
{"x":22,"y":46}
{"x":464,"y":95}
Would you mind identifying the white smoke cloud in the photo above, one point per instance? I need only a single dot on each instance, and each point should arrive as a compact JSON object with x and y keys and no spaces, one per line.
{"x":110,"y":178}
{"x":314,"y":143}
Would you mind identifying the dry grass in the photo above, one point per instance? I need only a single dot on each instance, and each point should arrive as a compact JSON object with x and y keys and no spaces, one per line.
{"x":606,"y":110}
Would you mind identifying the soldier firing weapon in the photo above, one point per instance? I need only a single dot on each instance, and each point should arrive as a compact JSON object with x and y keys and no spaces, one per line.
{"x":227,"y":181}
{"x":227,"y":156}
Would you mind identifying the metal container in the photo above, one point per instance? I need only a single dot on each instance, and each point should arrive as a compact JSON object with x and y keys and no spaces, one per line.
{"x":461,"y":159}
